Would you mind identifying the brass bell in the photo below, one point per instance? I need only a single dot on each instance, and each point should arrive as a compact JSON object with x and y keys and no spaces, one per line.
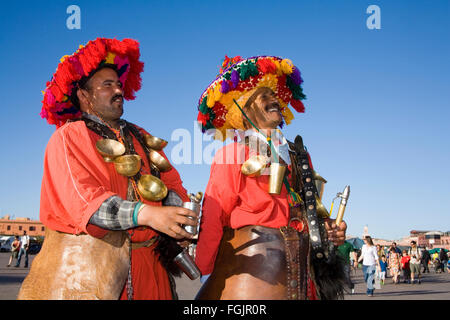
{"x":110,"y":149}
{"x":128,"y":165}
{"x":159,"y":161}
{"x":277,"y":172}
{"x":254,"y":166}
{"x":155,"y":142}
{"x":152,"y":188}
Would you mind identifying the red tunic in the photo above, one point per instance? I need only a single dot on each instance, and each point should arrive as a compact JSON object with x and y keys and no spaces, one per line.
{"x":77,"y":181}
{"x":235,"y":200}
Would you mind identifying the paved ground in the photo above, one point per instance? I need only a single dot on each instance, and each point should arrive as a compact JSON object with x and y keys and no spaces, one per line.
{"x":434,"y":286}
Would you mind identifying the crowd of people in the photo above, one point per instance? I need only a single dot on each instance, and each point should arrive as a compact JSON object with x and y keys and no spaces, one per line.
{"x":403,"y":266}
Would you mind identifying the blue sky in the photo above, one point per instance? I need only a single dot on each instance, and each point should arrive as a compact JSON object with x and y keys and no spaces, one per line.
{"x":377,"y":108}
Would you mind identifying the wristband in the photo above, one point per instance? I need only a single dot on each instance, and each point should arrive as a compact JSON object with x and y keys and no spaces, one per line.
{"x":137,"y":208}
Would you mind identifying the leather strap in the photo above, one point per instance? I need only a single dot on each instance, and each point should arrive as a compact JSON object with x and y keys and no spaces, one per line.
{"x":148,"y":243}
{"x":296,"y":273}
{"x":309,"y":191}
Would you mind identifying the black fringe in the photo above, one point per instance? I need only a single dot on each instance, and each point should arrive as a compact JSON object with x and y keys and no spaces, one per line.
{"x":168,"y":249}
{"x":330,"y":276}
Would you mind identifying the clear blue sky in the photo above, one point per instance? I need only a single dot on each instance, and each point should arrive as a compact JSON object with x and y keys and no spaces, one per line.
{"x":377,"y":109}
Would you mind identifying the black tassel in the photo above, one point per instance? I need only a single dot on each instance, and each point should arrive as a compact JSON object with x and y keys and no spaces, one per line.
{"x":330,"y":276}
{"x":168,"y":249}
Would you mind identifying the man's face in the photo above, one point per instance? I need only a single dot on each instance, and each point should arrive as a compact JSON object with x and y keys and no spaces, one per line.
{"x":105,"y":94}
{"x":265,"y":112}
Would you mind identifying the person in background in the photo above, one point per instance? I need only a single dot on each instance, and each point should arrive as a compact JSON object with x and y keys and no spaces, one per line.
{"x":405,"y":267}
{"x":443,"y":258}
{"x":383,"y":268}
{"x":394,"y":265}
{"x":15,"y":247}
{"x":347,"y":253}
{"x":370,"y":261}
{"x":425,"y":260}
{"x":414,"y":264}
{"x":448,"y":263}
{"x":380,"y":251}
{"x":24,"y":246}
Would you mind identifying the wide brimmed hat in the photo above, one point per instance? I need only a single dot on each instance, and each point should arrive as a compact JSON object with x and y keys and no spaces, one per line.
{"x":57,"y":106}
{"x":238,"y":80}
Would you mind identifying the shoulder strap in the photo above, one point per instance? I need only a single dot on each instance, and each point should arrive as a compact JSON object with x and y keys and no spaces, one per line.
{"x":309,"y":191}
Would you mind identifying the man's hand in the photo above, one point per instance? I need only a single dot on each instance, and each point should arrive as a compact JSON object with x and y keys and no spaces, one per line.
{"x":336,"y":234}
{"x":168,"y":220}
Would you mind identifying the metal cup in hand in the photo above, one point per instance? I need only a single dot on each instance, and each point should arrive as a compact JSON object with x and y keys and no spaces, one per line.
{"x":194,"y":206}
{"x":187,"y":265}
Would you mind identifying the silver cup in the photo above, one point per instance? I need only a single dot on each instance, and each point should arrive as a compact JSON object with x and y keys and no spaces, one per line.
{"x":194,"y":206}
{"x":187,"y":265}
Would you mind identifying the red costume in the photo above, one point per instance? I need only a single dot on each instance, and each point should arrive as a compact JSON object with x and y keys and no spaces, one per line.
{"x":77,"y":180}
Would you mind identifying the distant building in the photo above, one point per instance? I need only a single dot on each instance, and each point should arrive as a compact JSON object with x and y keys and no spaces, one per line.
{"x":431,"y":239}
{"x":17,"y":226}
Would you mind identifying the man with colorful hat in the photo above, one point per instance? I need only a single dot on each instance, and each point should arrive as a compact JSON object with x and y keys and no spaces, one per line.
{"x":264,"y":233}
{"x":110,"y":199}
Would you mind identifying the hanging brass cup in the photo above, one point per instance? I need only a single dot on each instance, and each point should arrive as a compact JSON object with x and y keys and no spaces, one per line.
{"x":254,"y":166}
{"x":128,"y":165}
{"x":110,"y":149}
{"x":276,"y":177}
{"x":152,"y":188}
{"x":159,"y":161}
{"x":155,"y":142}
{"x":320,"y":209}
{"x":320,"y":183}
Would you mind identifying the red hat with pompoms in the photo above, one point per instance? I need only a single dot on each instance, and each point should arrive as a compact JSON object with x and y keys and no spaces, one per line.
{"x":57,"y":106}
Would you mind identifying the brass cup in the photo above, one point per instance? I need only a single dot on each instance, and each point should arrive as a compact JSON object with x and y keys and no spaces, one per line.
{"x":152,"y":188}
{"x":254,"y":166}
{"x":128,"y":165}
{"x":110,"y":149}
{"x":276,"y":178}
{"x":155,"y":142}
{"x":159,"y":161}
{"x":321,"y":211}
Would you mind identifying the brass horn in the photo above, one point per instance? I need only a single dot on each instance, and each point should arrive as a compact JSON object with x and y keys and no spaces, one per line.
{"x":110,"y":149}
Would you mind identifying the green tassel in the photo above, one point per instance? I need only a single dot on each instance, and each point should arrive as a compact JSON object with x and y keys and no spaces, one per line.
{"x":227,"y":75}
{"x":297,"y":91}
{"x":203,"y":108}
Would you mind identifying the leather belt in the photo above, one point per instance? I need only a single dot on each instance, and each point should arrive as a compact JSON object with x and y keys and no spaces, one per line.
{"x":148,"y":243}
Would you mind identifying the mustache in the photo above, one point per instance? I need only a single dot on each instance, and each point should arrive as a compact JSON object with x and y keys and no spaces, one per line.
{"x":117,"y":96}
{"x":272,"y":105}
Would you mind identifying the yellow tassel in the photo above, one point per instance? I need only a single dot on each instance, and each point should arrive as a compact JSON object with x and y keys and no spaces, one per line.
{"x":210,"y":100}
{"x":287,"y":66}
{"x":288,"y":115}
{"x":217,"y":93}
{"x":277,"y":64}
{"x":63,"y":58}
{"x":110,"y":58}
